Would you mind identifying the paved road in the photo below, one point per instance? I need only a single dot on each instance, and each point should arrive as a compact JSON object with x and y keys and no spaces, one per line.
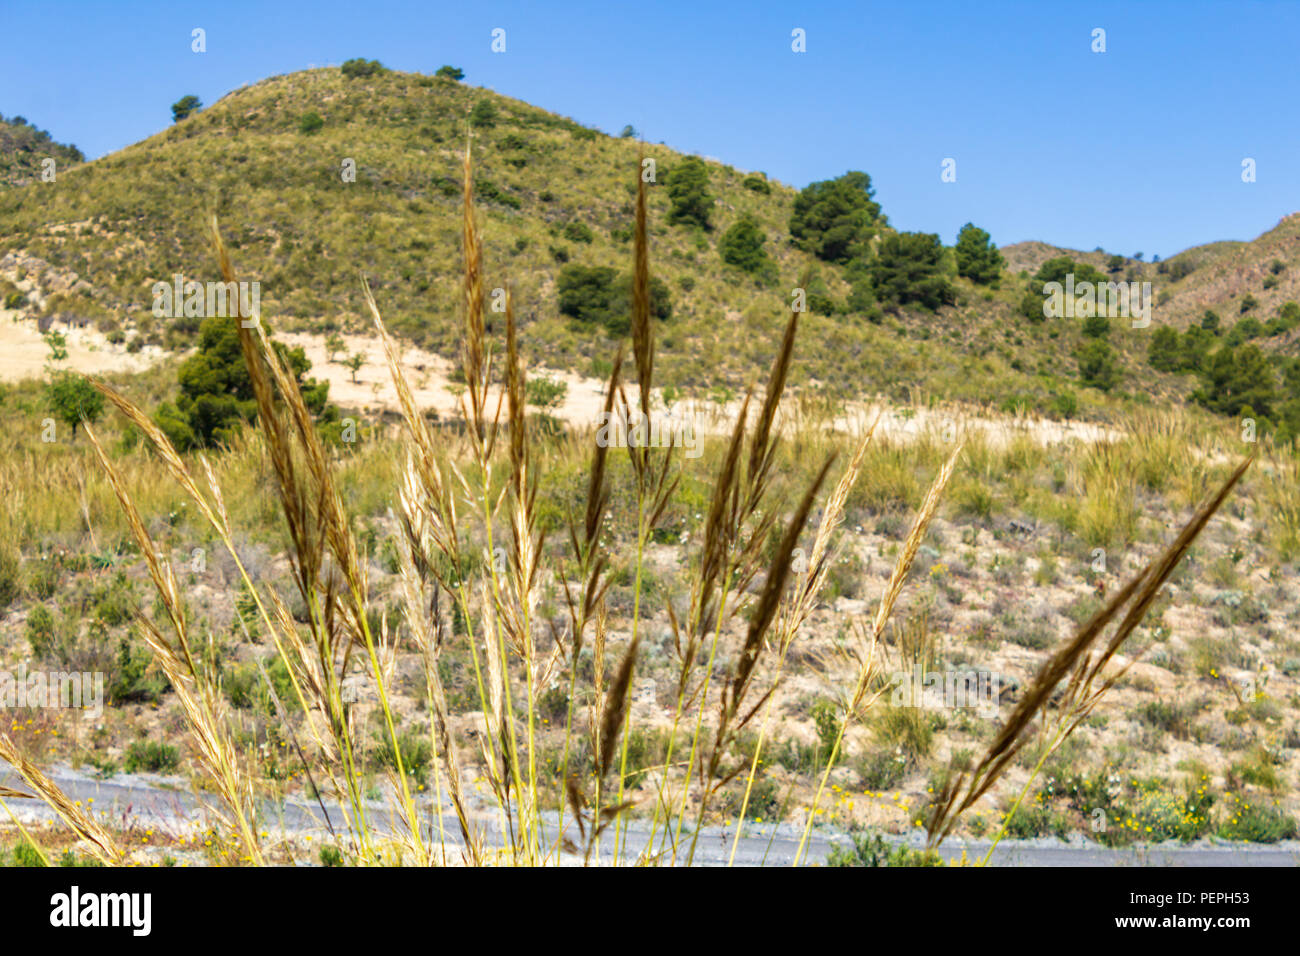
{"x":164,"y":804}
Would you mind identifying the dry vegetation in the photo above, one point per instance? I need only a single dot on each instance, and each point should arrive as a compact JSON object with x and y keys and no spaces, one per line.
{"x":553,"y":638}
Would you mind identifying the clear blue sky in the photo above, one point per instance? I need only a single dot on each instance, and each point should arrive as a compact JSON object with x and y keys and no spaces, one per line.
{"x":1137,"y":148}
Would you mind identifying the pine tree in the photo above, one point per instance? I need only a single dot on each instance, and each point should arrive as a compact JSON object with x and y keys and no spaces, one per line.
{"x":977,"y":258}
{"x":688,"y":192}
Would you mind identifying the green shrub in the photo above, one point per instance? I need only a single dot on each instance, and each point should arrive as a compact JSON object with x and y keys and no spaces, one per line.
{"x":1036,"y":635}
{"x":765,"y":804}
{"x":1234,"y":379}
{"x":489,"y":192}
{"x":646,"y":749}
{"x":688,"y":192}
{"x":1064,"y":405}
{"x":880,"y":769}
{"x":1256,"y":822}
{"x":10,"y":574}
{"x":43,"y":577}
{"x":27,"y":855}
{"x":578,"y":232}
{"x":1036,"y":818}
{"x":114,"y":603}
{"x":134,"y":680}
{"x":545,"y":393}
{"x":1096,"y":326}
{"x":1057,"y":269}
{"x":246,"y":688}
{"x":872,"y":849}
{"x":483,"y":115}
{"x":40,"y":631}
{"x":1097,"y":367}
{"x":826,"y":718}
{"x":742,"y":246}
{"x":908,"y":729}
{"x":310,"y":123}
{"x":595,"y":295}
{"x":416,"y":751}
{"x":331,"y":856}
{"x":359,"y":67}
{"x":1164,"y":353}
{"x":1170,"y":717}
{"x":216,"y":392}
{"x":151,"y":756}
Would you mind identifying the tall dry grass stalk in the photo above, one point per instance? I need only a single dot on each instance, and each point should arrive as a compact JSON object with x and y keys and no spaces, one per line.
{"x":1082,"y":665}
{"x":796,"y":607}
{"x":196,"y":688}
{"x":855,"y":704}
{"x":97,"y":841}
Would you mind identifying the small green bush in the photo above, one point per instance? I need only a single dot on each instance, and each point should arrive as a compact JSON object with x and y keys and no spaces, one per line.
{"x":152,"y":756}
{"x":40,"y":631}
{"x":1256,"y":822}
{"x":331,"y":856}
{"x":27,"y":855}
{"x":483,"y":115}
{"x":10,"y":574}
{"x":742,"y":246}
{"x":359,"y":67}
{"x":578,"y":232}
{"x":872,"y":849}
{"x":416,"y":751}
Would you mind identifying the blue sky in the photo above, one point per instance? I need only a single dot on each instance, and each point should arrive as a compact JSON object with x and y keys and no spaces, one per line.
{"x":1138,"y":148}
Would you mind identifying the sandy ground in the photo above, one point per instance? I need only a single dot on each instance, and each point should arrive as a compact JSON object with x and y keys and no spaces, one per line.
{"x":24,"y":354}
{"x":429,"y":377}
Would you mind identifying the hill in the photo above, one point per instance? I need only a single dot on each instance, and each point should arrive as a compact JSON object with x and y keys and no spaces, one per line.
{"x":269,"y":159}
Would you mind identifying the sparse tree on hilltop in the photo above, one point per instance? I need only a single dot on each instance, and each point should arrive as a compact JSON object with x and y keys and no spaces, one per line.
{"x":185,"y":106}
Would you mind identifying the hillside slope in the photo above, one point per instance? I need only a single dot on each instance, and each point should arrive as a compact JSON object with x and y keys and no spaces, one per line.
{"x":549,"y":192}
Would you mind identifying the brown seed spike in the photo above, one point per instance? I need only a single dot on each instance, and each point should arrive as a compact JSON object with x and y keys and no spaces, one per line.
{"x":615,"y":712}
